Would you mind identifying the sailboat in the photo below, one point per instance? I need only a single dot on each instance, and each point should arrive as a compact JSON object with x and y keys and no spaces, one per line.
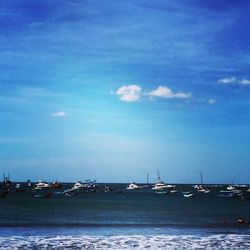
{"x":200,"y":187}
{"x":160,"y":185}
{"x":147,"y":185}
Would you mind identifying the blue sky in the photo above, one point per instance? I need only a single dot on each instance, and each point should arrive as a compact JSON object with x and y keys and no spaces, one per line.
{"x":113,"y":90}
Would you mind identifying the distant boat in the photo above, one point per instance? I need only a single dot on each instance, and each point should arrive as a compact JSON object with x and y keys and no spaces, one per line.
{"x":160,"y":185}
{"x":78,"y":186}
{"x":147,"y":185}
{"x":226,"y":194}
{"x":56,"y":185}
{"x":133,"y":186}
{"x":42,"y":185}
{"x":188,"y":194}
{"x":230,"y":187}
{"x":200,"y":188}
{"x":172,"y":191}
{"x":89,"y":186}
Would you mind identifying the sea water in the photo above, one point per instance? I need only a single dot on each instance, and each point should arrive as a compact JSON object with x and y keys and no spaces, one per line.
{"x":128,"y":220}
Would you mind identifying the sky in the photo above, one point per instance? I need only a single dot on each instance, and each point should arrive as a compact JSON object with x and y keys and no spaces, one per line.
{"x":112,"y":90}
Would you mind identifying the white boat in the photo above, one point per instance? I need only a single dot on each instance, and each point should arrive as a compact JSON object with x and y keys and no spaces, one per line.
{"x":77,"y":187}
{"x":188,"y":194}
{"x":42,"y":185}
{"x":200,"y":188}
{"x":172,"y":191}
{"x":226,"y":194}
{"x":160,"y":185}
{"x":230,"y":187}
{"x":133,"y":186}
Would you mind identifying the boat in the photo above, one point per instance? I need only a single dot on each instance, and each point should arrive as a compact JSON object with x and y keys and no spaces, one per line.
{"x":107,"y":189}
{"x":42,"y":185}
{"x":229,"y":193}
{"x":188,"y":194}
{"x":160,"y":185}
{"x":200,"y":188}
{"x":172,"y":191}
{"x":230,"y":187}
{"x":78,"y":186}
{"x":226,"y":194}
{"x":133,"y":186}
{"x":56,"y":185}
{"x":147,"y":185}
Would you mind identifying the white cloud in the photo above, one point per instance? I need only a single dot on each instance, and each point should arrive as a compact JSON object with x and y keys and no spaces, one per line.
{"x":129,"y":93}
{"x":165,"y":92}
{"x":211,"y":101}
{"x":244,"y":82}
{"x":133,"y":93}
{"x":227,"y":80}
{"x":59,"y":114}
{"x":234,"y":80}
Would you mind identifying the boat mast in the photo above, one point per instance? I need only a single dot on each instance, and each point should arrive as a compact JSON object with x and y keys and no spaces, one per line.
{"x":147,"y":178}
{"x":201,"y":179}
{"x":158,"y":177}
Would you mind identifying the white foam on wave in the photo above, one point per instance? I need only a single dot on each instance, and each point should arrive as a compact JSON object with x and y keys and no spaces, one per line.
{"x":216,"y":241}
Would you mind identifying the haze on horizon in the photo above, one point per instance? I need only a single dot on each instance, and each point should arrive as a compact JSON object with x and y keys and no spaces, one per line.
{"x":112,"y":90}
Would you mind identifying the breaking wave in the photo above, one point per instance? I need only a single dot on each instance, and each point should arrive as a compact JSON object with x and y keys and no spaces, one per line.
{"x":215,"y":241}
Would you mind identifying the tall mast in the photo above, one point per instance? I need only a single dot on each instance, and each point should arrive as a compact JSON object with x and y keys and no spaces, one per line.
{"x":147,"y":178}
{"x":158,"y":177}
{"x":201,"y":179}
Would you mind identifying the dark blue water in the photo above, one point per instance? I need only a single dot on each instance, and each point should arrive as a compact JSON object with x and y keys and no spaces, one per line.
{"x":142,"y":215}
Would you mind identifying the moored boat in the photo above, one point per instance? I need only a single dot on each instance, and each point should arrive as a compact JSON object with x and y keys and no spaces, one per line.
{"x":42,"y":185}
{"x":160,"y":185}
{"x":188,"y":194}
{"x":133,"y":186}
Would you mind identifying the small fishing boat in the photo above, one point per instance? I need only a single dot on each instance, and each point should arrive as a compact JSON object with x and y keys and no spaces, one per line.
{"x":172,"y":191}
{"x":133,"y":186}
{"x":42,"y":185}
{"x":78,"y":186}
{"x":188,"y":194}
{"x":230,"y":187}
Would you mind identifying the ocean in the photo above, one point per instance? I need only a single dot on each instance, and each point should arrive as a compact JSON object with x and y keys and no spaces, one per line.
{"x":124,"y":219}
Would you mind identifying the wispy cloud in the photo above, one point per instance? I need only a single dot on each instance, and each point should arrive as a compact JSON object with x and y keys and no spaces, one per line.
{"x":133,"y":93}
{"x":165,"y":92}
{"x":59,"y":114}
{"x":129,"y":93}
{"x":244,"y":82}
{"x":234,"y":80}
{"x":227,"y":80}
{"x":211,"y":101}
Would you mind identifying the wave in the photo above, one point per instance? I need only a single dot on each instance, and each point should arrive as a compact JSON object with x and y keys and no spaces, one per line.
{"x":217,"y":241}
